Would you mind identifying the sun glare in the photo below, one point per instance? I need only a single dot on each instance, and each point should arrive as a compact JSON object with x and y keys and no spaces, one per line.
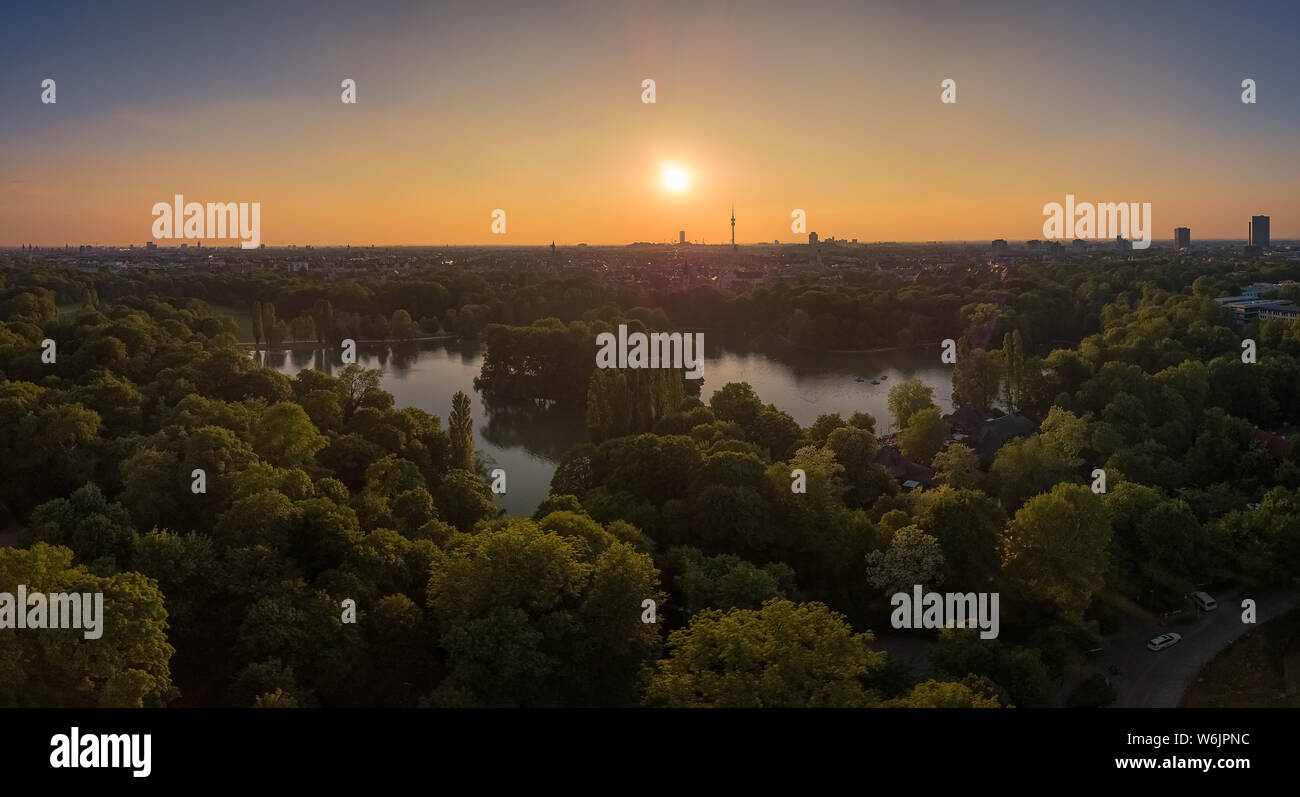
{"x":675,"y":177}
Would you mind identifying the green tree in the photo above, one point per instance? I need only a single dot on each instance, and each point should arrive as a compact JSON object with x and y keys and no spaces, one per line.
{"x":267,"y":517}
{"x":957,"y":466}
{"x":463,"y":499}
{"x":726,"y":581}
{"x":116,"y":399}
{"x":1260,"y":545}
{"x":190,"y":575}
{"x":600,"y":409}
{"x":737,"y":402}
{"x":535,"y":617}
{"x":256,"y":315}
{"x":152,"y":486}
{"x":324,"y":409}
{"x":302,"y":328}
{"x":1067,"y":433}
{"x":968,"y":525}
{"x":1056,"y":546}
{"x":907,"y":398}
{"x":924,"y":435}
{"x":356,"y":385}
{"x":775,"y":432}
{"x":822,"y":427}
{"x":863,"y":420}
{"x":127,"y":666}
{"x":1019,"y":673}
{"x":784,"y":655}
{"x":946,"y":694}
{"x":460,"y":426}
{"x":97,"y":531}
{"x":286,"y":436}
{"x":268,"y":321}
{"x":855,"y":449}
{"x":1014,"y":375}
{"x":401,"y":327}
{"x":1028,"y":466}
{"x":323,"y":316}
{"x":913,"y":557}
{"x":976,"y":379}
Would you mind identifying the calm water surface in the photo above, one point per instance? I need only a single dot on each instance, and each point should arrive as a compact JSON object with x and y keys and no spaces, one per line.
{"x":528,"y":441}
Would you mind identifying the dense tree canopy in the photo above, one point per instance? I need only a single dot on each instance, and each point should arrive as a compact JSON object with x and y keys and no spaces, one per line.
{"x":702,"y":549}
{"x":783,"y":655}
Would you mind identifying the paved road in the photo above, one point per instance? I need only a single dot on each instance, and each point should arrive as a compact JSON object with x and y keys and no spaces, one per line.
{"x":1158,"y":679}
{"x":1146,"y":679}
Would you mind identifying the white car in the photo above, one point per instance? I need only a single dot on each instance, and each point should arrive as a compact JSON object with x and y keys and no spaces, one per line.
{"x":1205,"y":601}
{"x":1164,"y":641}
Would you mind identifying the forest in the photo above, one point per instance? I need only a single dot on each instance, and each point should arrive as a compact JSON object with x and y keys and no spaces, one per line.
{"x":318,"y":490}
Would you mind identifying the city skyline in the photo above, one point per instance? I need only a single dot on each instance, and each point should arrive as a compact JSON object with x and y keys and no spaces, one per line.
{"x":1180,"y":239}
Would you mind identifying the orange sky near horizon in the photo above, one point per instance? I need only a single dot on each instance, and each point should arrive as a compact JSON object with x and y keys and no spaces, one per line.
{"x":548,"y":124}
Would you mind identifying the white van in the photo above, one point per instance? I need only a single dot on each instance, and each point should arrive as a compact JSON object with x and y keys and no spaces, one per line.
{"x":1205,"y":601}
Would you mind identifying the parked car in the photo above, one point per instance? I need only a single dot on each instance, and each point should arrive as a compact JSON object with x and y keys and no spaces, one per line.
{"x":1205,"y":601}
{"x":1164,"y":641}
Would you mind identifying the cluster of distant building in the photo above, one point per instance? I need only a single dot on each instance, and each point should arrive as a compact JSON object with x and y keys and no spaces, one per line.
{"x":1257,"y":241}
{"x":999,"y":246}
{"x":812,"y":239}
{"x":1248,"y":306}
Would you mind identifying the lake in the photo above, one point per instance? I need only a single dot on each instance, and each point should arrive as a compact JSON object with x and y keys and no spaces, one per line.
{"x":527,"y":441}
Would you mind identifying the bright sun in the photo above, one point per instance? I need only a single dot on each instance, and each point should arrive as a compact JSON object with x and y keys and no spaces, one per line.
{"x":675,"y":177}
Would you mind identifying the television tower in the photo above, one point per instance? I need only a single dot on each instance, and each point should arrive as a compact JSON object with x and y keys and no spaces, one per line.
{"x":733,"y":228}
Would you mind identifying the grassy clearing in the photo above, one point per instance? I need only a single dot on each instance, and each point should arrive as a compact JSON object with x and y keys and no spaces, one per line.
{"x":243,"y":318}
{"x":1259,"y":670}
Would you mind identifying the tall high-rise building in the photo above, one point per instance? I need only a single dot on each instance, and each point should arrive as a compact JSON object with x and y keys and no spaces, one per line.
{"x":733,"y":228}
{"x":812,"y":237}
{"x":681,"y":236}
{"x":1257,"y":232}
{"x":1182,"y":237}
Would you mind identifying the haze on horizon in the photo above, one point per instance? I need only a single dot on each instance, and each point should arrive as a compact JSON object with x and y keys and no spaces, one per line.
{"x":535,"y":108}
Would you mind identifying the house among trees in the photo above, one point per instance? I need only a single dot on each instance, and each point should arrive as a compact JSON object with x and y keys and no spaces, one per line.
{"x":1277,"y":444}
{"x":997,"y":431}
{"x":902,"y":468}
{"x":965,"y":422}
{"x":986,"y":435}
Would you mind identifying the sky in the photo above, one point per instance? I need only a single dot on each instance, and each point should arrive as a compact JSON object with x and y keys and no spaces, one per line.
{"x":535,"y":108}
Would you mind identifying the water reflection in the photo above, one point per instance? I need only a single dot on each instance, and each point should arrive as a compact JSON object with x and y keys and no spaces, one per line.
{"x":545,"y":429}
{"x":527,"y":439}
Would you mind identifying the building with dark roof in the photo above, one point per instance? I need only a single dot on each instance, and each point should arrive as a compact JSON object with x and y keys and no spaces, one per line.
{"x":996,"y":432}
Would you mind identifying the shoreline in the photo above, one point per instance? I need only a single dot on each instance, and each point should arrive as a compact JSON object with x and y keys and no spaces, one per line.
{"x":879,"y":350}
{"x":303,"y":344}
